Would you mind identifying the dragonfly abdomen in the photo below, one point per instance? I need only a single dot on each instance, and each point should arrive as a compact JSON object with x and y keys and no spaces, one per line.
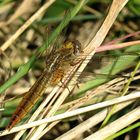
{"x":29,"y":100}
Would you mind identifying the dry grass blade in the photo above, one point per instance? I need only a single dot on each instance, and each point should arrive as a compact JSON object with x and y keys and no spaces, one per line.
{"x":5,"y":9}
{"x":82,"y":101}
{"x":118,"y":100}
{"x":25,"y":7}
{"x":117,"y":46}
{"x":55,"y":99}
{"x":90,"y":49}
{"x":117,"y":125}
{"x":82,"y":2}
{"x":89,"y":123}
{"x":26,"y":25}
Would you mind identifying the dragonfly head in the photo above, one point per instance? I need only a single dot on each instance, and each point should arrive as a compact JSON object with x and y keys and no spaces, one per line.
{"x":72,"y":47}
{"x":77,"y":47}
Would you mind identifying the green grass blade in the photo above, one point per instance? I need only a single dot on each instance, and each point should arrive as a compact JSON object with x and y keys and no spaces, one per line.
{"x":120,"y":64}
{"x":124,"y":131}
{"x":25,"y":68}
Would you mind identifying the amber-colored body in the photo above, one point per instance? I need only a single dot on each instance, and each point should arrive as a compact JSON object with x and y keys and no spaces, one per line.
{"x":56,"y":64}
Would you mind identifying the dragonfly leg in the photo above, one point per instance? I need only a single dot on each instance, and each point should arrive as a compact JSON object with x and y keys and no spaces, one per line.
{"x":73,"y":63}
{"x":57,"y":76}
{"x":64,"y":85}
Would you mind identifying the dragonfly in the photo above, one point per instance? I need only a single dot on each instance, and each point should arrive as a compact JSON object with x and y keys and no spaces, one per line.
{"x":57,"y":62}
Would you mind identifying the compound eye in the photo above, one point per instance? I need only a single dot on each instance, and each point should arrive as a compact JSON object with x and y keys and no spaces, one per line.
{"x":77,"y":47}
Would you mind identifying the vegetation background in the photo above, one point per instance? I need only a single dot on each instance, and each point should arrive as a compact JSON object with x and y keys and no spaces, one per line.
{"x":28,"y":27}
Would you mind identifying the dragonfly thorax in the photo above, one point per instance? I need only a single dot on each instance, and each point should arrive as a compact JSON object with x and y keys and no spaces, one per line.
{"x":71,"y":48}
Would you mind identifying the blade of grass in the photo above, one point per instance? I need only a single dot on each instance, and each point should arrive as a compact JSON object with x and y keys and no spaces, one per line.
{"x":120,"y":64}
{"x":90,"y":49}
{"x":122,"y":93}
{"x":116,"y":125}
{"x":68,"y":17}
{"x":37,"y":15}
{"x":90,"y":123}
{"x":23,"y":69}
{"x":124,"y":131}
{"x":75,"y":112}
